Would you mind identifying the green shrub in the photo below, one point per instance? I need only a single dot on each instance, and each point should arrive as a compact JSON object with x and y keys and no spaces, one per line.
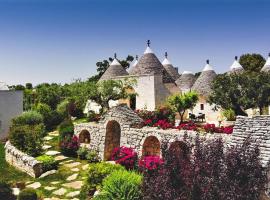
{"x":229,"y":114}
{"x":6,"y":192}
{"x":28,"y":194}
{"x":28,"y":118}
{"x":66,"y":129}
{"x":92,"y":156}
{"x":121,"y":185}
{"x":82,"y":152}
{"x":62,"y":108}
{"x":96,"y":173}
{"x":28,"y":139}
{"x":48,"y":162}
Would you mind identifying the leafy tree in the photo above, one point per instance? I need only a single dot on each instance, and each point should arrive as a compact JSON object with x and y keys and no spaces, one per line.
{"x":182,"y":102}
{"x":227,"y":93}
{"x":50,"y":94}
{"x":29,"y":86}
{"x":105,"y":91}
{"x":252,"y":62}
{"x":102,"y":66}
{"x":241,"y":91}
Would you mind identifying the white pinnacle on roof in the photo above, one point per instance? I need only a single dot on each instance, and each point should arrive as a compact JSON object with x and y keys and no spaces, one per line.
{"x":187,"y":72}
{"x":148,"y":50}
{"x":208,"y":67}
{"x":236,"y":65}
{"x":166,"y":62}
{"x":115,"y":62}
{"x":268,"y":61}
{"x":136,"y":61}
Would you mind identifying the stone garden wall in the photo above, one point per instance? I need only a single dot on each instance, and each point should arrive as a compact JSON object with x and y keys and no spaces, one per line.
{"x":22,"y":161}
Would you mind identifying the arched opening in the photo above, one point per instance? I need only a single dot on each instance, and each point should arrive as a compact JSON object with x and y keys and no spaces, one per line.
{"x":84,"y":137}
{"x":151,"y":147}
{"x":179,"y":149}
{"x":112,"y":139}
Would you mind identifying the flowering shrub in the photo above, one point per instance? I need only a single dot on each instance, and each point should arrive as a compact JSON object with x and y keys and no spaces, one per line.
{"x":163,"y":124}
{"x":211,"y":128}
{"x":191,"y":126}
{"x":125,"y":156}
{"x":70,"y":145}
{"x":150,"y":163}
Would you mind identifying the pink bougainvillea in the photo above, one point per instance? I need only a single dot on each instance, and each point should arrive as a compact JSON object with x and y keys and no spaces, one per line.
{"x":125,"y":156}
{"x":163,"y":124}
{"x":211,"y":128}
{"x":191,"y":126}
{"x":70,"y":145}
{"x":149,"y":163}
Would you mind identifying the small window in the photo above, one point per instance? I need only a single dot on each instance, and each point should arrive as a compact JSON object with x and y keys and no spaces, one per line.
{"x":202,"y":106}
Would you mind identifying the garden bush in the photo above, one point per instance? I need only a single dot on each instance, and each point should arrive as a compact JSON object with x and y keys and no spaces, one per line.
{"x":126,"y":157}
{"x":96,"y":173}
{"x":66,"y":129}
{"x":229,"y":114}
{"x":92,"y":156}
{"x":28,"y":194}
{"x":150,"y":163}
{"x":6,"y":192}
{"x":48,"y":162}
{"x":27,"y":138}
{"x":69,"y":146}
{"x":210,"y":173}
{"x":82,"y":152}
{"x":121,"y":185}
{"x":28,"y":118}
{"x":62,"y":109}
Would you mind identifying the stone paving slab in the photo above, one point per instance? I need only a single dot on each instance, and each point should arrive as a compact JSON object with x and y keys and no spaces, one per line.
{"x":72,"y":177}
{"x":55,"y":133}
{"x":73,"y":194}
{"x":52,"y":153}
{"x":48,"y":173}
{"x":75,"y":185}
{"x":60,"y":192}
{"x":49,"y":188}
{"x":74,"y":164}
{"x":75,"y":169}
{"x":60,"y":157}
{"x":47,"y":138}
{"x":46,"y":147}
{"x":35,"y":185}
{"x":55,"y":182}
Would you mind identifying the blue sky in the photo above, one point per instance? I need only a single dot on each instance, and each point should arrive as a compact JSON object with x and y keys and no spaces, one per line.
{"x":61,"y":40}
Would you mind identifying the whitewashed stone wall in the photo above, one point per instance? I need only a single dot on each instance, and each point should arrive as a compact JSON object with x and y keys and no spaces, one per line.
{"x":22,"y":161}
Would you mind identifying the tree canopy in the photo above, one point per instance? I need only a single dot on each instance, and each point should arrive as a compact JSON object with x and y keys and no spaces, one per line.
{"x":252,"y":62}
{"x":182,"y":102}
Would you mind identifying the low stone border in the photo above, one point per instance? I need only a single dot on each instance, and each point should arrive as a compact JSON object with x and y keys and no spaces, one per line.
{"x":22,"y":161}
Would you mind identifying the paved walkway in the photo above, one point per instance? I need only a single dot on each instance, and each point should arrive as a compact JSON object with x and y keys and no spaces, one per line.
{"x":64,"y":183}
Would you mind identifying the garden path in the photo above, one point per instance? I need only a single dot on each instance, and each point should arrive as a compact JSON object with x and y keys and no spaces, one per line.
{"x":64,"y":183}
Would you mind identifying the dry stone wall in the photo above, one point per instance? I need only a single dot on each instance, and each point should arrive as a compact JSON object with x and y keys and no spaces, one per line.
{"x":22,"y":161}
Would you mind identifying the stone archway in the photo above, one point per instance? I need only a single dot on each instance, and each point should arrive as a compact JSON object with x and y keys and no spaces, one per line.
{"x":112,"y":139}
{"x":84,"y":137}
{"x":151,"y":147}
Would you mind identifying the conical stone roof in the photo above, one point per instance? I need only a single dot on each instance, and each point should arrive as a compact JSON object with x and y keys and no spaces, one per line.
{"x":266,"y":67}
{"x":236,"y":67}
{"x":115,"y":69}
{"x":186,"y":80}
{"x":149,"y":64}
{"x":203,"y":84}
{"x":169,"y":68}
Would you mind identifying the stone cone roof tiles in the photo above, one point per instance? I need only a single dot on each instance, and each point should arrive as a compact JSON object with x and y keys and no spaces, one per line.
{"x":186,"y":80}
{"x":266,"y":67}
{"x":123,"y":115}
{"x":170,"y":69}
{"x":150,"y":65}
{"x":203,"y":84}
{"x":115,"y":69}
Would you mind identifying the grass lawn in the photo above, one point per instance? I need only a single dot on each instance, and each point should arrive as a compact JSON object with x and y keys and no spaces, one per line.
{"x":8,"y":173}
